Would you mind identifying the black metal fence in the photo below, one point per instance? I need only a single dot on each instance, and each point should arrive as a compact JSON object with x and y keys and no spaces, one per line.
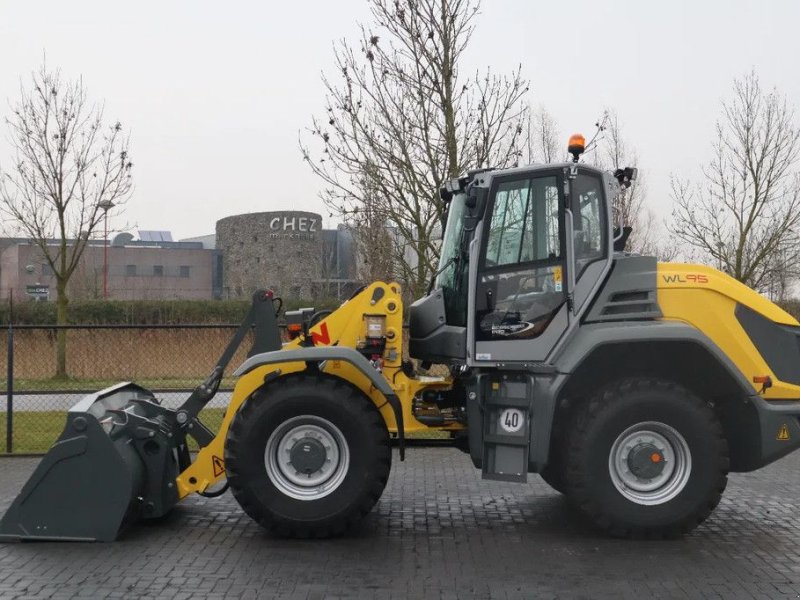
{"x":167,"y":359}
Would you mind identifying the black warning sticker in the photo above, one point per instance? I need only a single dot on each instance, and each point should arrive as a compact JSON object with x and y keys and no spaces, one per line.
{"x":218,"y":464}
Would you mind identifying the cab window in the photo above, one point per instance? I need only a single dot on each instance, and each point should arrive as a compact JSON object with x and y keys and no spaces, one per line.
{"x":589,"y":225}
{"x":524,"y":225}
{"x":520,"y":285}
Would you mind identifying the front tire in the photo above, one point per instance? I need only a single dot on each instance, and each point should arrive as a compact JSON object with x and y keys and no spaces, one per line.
{"x":645,"y":458}
{"x":307,"y":456}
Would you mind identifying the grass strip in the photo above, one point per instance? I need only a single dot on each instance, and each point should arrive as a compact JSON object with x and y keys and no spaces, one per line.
{"x":35,"y":432}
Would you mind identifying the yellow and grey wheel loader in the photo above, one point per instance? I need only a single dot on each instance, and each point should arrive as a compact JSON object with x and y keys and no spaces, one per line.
{"x":630,"y":386}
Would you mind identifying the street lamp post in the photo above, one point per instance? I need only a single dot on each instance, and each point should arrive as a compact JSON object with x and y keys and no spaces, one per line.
{"x":105,"y":206}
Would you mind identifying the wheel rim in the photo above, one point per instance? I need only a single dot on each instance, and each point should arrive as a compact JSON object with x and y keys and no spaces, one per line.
{"x":307,"y":457}
{"x":650,"y":463}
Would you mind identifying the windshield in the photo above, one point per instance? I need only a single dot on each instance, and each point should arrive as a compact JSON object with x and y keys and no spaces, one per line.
{"x":453,"y":263}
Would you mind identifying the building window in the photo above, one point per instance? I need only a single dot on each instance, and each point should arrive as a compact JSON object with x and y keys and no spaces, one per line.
{"x":130,"y":270}
{"x":184,"y":271}
{"x":158,"y":270}
{"x":47,"y":270}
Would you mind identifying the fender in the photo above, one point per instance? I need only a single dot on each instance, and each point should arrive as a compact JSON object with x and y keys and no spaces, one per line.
{"x":318,"y":354}
{"x":591,"y":338}
{"x":759,"y":430}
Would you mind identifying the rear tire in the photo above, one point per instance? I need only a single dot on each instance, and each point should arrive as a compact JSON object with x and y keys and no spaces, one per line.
{"x":645,"y":458}
{"x":553,"y":473}
{"x":307,"y":456}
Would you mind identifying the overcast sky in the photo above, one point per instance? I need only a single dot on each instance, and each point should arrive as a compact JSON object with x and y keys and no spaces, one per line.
{"x":215,"y":93}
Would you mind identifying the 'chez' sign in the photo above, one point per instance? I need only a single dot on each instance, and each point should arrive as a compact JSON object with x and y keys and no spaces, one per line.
{"x":296,"y":224}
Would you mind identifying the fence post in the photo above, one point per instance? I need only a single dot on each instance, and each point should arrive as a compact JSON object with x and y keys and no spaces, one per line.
{"x":10,"y":390}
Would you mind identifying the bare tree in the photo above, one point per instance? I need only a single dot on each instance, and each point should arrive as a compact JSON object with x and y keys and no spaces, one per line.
{"x":86,"y":282}
{"x":401,"y":113}
{"x":783,"y":274}
{"x":68,"y":169}
{"x":745,"y":216}
{"x":375,"y":242}
{"x":544,"y":142}
{"x":612,"y":151}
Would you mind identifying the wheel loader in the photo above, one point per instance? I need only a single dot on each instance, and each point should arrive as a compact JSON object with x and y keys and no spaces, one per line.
{"x":632,"y":387}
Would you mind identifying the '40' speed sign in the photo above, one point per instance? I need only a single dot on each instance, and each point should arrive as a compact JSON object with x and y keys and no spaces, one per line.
{"x":512,"y":420}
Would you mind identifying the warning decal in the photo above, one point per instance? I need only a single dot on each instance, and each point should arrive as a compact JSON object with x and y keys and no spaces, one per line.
{"x":558,"y":278}
{"x":219,"y":465}
{"x":783,"y":433}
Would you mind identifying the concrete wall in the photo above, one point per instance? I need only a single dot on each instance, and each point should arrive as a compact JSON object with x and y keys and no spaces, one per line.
{"x":183,"y":273}
{"x":10,"y":271}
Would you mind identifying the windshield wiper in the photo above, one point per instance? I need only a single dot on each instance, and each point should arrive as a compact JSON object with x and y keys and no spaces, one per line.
{"x":439,"y":272}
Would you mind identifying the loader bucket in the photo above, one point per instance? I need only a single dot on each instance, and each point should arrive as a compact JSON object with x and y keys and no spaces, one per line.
{"x":93,"y":480}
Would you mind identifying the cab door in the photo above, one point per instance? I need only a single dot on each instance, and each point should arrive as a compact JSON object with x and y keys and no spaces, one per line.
{"x":521,"y":308}
{"x":520,"y":298}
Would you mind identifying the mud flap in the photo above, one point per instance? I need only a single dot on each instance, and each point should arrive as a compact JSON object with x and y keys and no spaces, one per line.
{"x":94,"y":480}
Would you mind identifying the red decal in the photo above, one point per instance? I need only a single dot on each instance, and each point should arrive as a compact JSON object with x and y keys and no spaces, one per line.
{"x":323,"y":337}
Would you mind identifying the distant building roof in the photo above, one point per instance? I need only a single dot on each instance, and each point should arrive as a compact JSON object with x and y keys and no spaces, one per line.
{"x":209,"y":241}
{"x":123,"y":241}
{"x":155,"y":236}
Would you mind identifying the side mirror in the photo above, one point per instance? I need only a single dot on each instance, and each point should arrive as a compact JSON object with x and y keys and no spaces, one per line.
{"x":476,"y":204}
{"x":476,"y":196}
{"x":626,"y":176}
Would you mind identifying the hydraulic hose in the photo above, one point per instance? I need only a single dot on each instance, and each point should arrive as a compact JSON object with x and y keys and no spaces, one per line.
{"x":215,"y":493}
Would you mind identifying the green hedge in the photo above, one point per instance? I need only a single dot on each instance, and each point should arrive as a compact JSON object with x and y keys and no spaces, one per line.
{"x":147,"y":312}
{"x":168,"y":312}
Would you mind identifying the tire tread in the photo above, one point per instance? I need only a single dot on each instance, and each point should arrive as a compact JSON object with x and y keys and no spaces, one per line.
{"x":576,"y":440}
{"x":330,"y":527}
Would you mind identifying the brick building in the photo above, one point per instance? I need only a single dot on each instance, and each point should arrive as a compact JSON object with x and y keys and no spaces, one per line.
{"x":137,"y":269}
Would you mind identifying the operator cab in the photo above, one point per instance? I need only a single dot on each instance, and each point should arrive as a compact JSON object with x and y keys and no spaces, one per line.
{"x":523,"y":251}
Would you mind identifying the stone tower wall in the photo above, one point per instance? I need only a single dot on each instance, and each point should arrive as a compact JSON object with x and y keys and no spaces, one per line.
{"x":277,"y":250}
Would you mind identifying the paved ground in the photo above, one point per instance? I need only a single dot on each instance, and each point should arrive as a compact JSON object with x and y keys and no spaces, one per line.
{"x":438,"y":532}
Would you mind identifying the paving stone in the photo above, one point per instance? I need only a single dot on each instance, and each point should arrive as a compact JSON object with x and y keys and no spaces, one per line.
{"x":439,"y":531}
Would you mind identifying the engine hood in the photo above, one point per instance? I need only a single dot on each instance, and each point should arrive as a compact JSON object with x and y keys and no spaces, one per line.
{"x":681,"y":276}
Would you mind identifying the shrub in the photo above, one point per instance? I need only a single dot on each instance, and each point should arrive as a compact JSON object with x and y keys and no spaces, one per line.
{"x":143,"y":312}
{"x":171,"y":312}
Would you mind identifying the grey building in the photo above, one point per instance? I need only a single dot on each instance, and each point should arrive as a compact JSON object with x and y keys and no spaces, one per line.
{"x":137,"y":269}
